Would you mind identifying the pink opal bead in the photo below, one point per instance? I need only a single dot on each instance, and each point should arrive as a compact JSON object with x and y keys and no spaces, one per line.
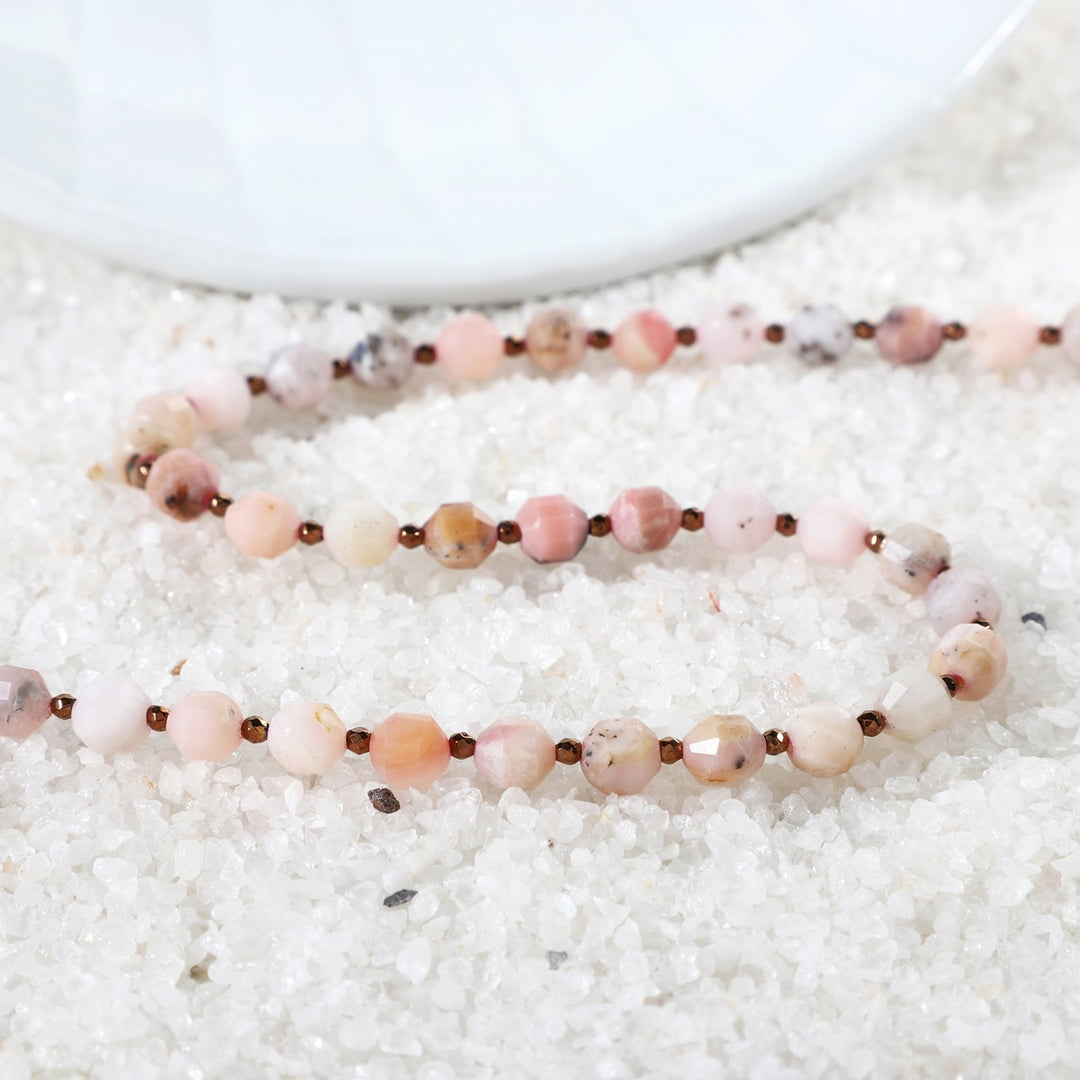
{"x":619,"y":757}
{"x":555,"y":339}
{"x":299,"y":376}
{"x":823,"y":740}
{"x":205,"y":725}
{"x":514,"y":752}
{"x":974,"y":656}
{"x":181,"y":484}
{"x":409,"y":750}
{"x":221,"y":399}
{"x":1003,"y":336}
{"x":645,"y":519}
{"x":739,"y":520}
{"x":644,"y":341}
{"x":832,"y":531}
{"x":262,"y":525}
{"x":961,"y":595}
{"x":25,"y":703}
{"x":470,"y":346}
{"x":359,"y":532}
{"x":914,"y":702}
{"x":909,"y":335}
{"x":913,"y":556}
{"x":723,"y":750}
{"x":159,"y":423}
{"x":553,"y":529}
{"x":459,"y":536}
{"x":109,"y":715}
{"x":730,"y":333}
{"x":306,"y":737}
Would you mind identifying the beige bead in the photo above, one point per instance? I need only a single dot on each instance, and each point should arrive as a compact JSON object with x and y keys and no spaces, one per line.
{"x":723,"y":750}
{"x":556,"y":339}
{"x":913,"y":556}
{"x":823,"y":739}
{"x":359,"y":532}
{"x":974,"y":656}
{"x":262,"y":524}
{"x":158,"y":424}
{"x":459,"y":536}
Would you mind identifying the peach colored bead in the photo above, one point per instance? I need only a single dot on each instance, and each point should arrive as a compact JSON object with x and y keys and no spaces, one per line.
{"x":644,"y":341}
{"x":24,"y":701}
{"x":723,"y":750}
{"x":109,"y":715}
{"x":1003,"y":336}
{"x":459,"y":536}
{"x":205,"y":725}
{"x":832,"y":531}
{"x":739,"y":520}
{"x":409,"y":750}
{"x":553,"y":529}
{"x":961,"y":594}
{"x":159,"y":423}
{"x":823,"y":739}
{"x":619,"y":757}
{"x":645,"y":519}
{"x":262,"y":524}
{"x":974,"y":656}
{"x":181,"y":484}
{"x":514,"y":752}
{"x":221,"y":399}
{"x":555,"y":339}
{"x":730,"y":333}
{"x":306,"y":737}
{"x":909,"y":335}
{"x":470,"y":346}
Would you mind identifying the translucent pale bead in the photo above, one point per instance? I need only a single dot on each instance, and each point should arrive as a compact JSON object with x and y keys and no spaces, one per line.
{"x":1070,"y":335}
{"x":262,"y":524}
{"x":359,"y":532}
{"x":832,"y":531}
{"x":739,"y":520}
{"x":514,"y":752}
{"x":409,"y":750}
{"x":730,"y":333}
{"x":644,"y":341}
{"x":159,"y":423}
{"x":181,"y":484}
{"x":819,"y":334}
{"x":221,"y":399}
{"x":974,"y":656}
{"x":961,"y":595}
{"x":1003,"y":336}
{"x":25,"y":703}
{"x":306,"y":737}
{"x":553,"y":529}
{"x":913,"y":556}
{"x":619,"y":757}
{"x":914,"y":702}
{"x":299,"y":376}
{"x":470,"y":346}
{"x":383,"y":360}
{"x":555,"y":339}
{"x":459,"y":536}
{"x":909,"y":335}
{"x":723,"y":750}
{"x":109,"y":715}
{"x":205,"y":725}
{"x":645,"y":519}
{"x":824,"y":740}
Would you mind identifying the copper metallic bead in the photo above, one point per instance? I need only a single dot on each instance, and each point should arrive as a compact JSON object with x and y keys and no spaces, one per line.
{"x":256,"y":384}
{"x":568,"y":751}
{"x":137,"y":469}
{"x":424,"y":354}
{"x":598,"y":339}
{"x":462,"y":745}
{"x":774,"y":333}
{"x":157,"y":716}
{"x":357,"y":740}
{"x":776,"y":742}
{"x":875,"y":541}
{"x":60,"y":706}
{"x":872,"y":722}
{"x":954,"y":331}
{"x":693,"y":519}
{"x":342,"y":368}
{"x":410,"y":536}
{"x":670,"y":751}
{"x":513,"y":346}
{"x":310,"y":532}
{"x":509,"y":532}
{"x":686,"y":335}
{"x":1050,"y":335}
{"x":786,"y":524}
{"x":952,"y":684}
{"x":384,"y":800}
{"x":254,"y":729}
{"x":218,"y":504}
{"x":599,"y":525}
{"x":863,"y":330}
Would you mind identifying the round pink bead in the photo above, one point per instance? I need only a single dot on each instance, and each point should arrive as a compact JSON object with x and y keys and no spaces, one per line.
{"x":306,"y":737}
{"x":514,"y":752}
{"x":409,"y":750}
{"x":299,"y":376}
{"x":739,"y":520}
{"x":556,"y":339}
{"x":909,"y":335}
{"x":470,"y":346}
{"x":205,"y":725}
{"x":832,"y":531}
{"x":1004,"y":336}
{"x":181,"y":484}
{"x":25,"y":703}
{"x":723,"y":750}
{"x":221,"y":399}
{"x":109,"y":716}
{"x":553,"y":529}
{"x":262,"y":524}
{"x":645,"y":519}
{"x":961,"y":595}
{"x":619,"y":757}
{"x":730,"y":333}
{"x":644,"y":341}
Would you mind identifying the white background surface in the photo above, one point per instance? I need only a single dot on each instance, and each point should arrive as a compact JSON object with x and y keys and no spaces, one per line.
{"x":917,"y":917}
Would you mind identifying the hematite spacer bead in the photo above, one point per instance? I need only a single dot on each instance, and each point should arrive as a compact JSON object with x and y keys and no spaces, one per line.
{"x":776,"y":742}
{"x":410,"y":536}
{"x":462,"y":745}
{"x":954,"y":331}
{"x":693,"y":519}
{"x":952,"y":684}
{"x":513,"y":346}
{"x":786,"y":524}
{"x":599,"y":525}
{"x":1050,"y":335}
{"x":863,"y":330}
{"x":509,"y":532}
{"x":342,"y":368}
{"x":137,"y":469}
{"x":358,"y":740}
{"x":60,"y":706}
{"x":384,"y":800}
{"x":875,"y":541}
{"x":598,"y":339}
{"x":872,"y":723}
{"x":254,"y":729}
{"x":256,"y":384}
{"x":424,"y":354}
{"x":686,"y":335}
{"x":568,"y":751}
{"x":157,"y":716}
{"x":218,"y":504}
{"x":774,"y":333}
{"x":310,"y":532}
{"x":670,"y":750}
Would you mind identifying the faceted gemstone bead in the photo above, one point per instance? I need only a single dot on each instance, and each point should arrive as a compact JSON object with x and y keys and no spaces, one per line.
{"x":359,"y":532}
{"x":299,"y":376}
{"x":221,"y":399}
{"x":832,"y":531}
{"x":459,"y":536}
{"x":644,"y":341}
{"x":974,"y":656}
{"x":205,"y":725}
{"x":909,"y":335}
{"x":619,"y":757}
{"x":514,"y":752}
{"x":914,"y":702}
{"x":181,"y":484}
{"x":553,"y":529}
{"x":262,"y":524}
{"x":823,"y":739}
{"x":730,"y":333}
{"x":913,"y":556}
{"x":306,"y":737}
{"x":159,"y":423}
{"x":645,"y":519}
{"x":1003,"y":336}
{"x":25,"y":703}
{"x":961,"y":595}
{"x":819,"y":334}
{"x":723,"y":750}
{"x":739,"y":520}
{"x":383,"y":360}
{"x":409,"y":750}
{"x":555,"y":339}
{"x":1070,"y":335}
{"x":109,"y":715}
{"x":470,"y":346}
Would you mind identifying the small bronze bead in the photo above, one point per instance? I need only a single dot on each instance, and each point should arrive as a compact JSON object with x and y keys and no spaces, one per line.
{"x":599,"y":525}
{"x":410,"y":536}
{"x":872,"y":723}
{"x":256,"y":384}
{"x":137,"y":469}
{"x":954,"y":331}
{"x":310,"y":532}
{"x":157,"y":716}
{"x":686,"y":335}
{"x":568,"y":751}
{"x":358,"y":740}
{"x":952,"y":684}
{"x":786,"y":524}
{"x":61,"y":706}
{"x":218,"y":504}
{"x":774,"y":333}
{"x":255,"y":729}
{"x":776,"y":742}
{"x":670,"y":751}
{"x":1050,"y":335}
{"x":875,"y":541}
{"x":342,"y":368}
{"x":462,"y":746}
{"x":863,"y":330}
{"x":509,"y":532}
{"x":693,"y":519}
{"x":513,"y":346}
{"x":599,"y":339}
{"x":384,"y":800}
{"x":424,"y":354}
